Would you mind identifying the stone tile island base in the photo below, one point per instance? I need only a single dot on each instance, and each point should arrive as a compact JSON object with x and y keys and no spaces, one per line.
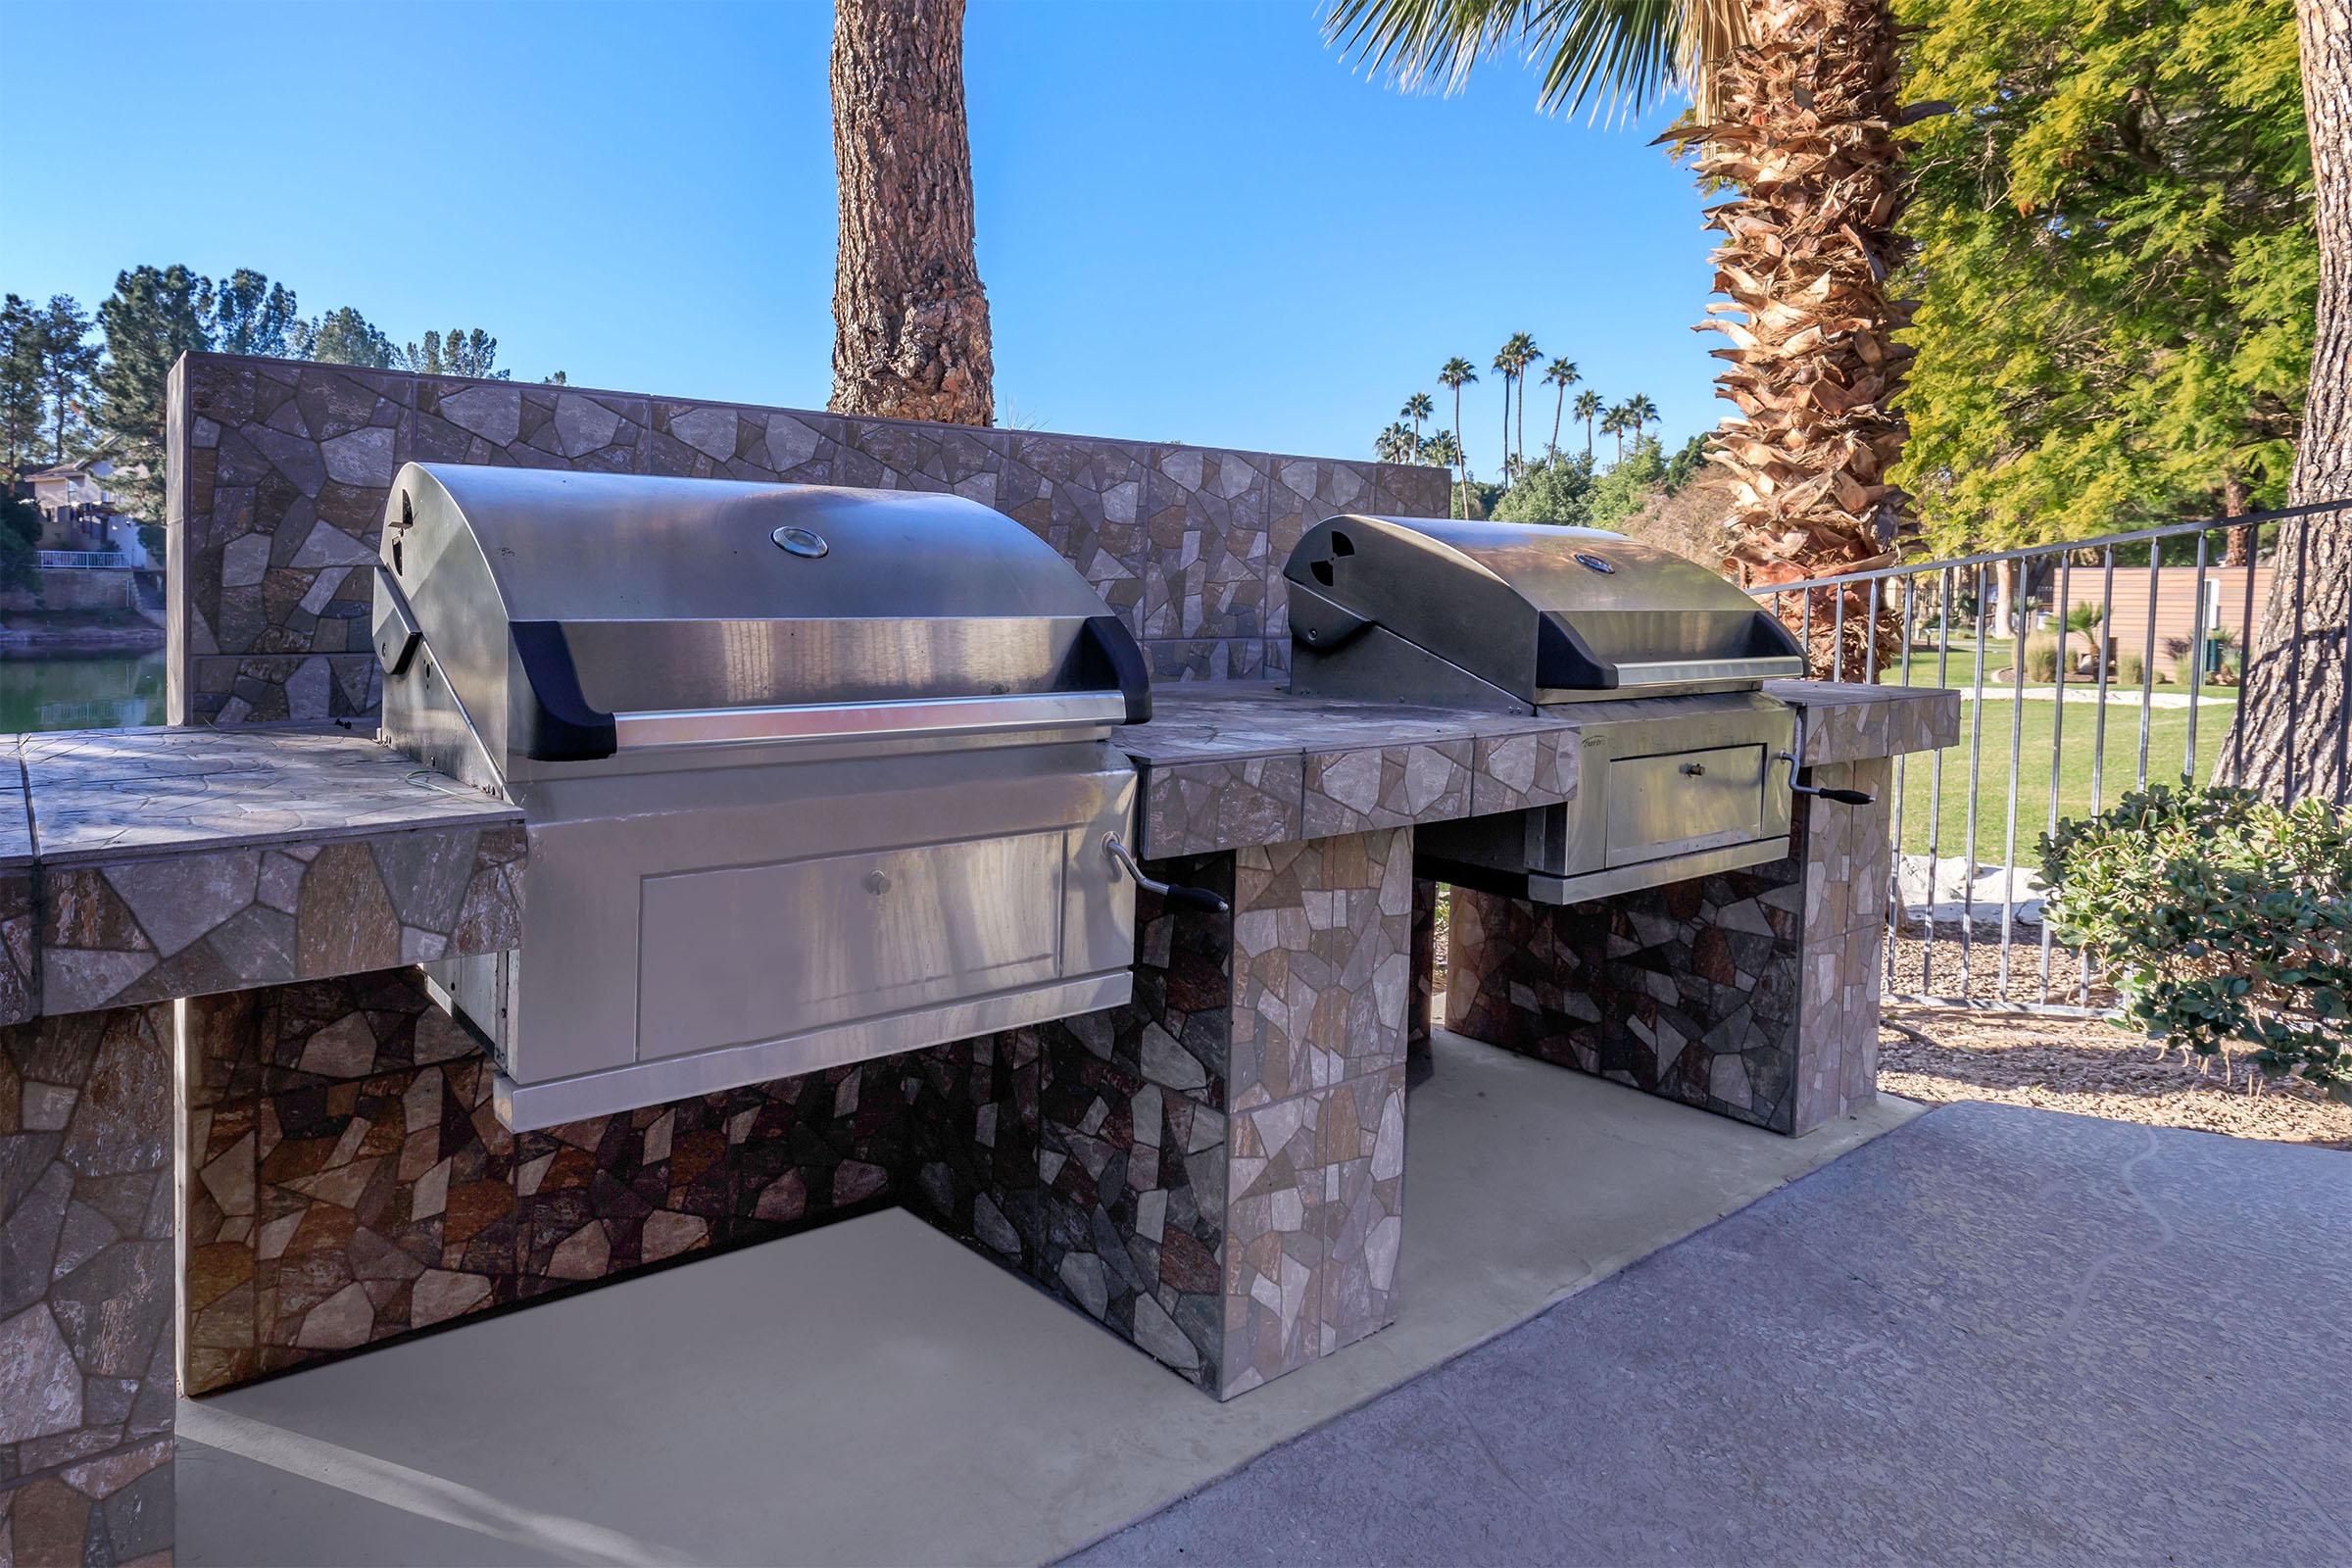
{"x":1212,"y":1172}
{"x":86,"y":1289}
{"x":1754,"y":994}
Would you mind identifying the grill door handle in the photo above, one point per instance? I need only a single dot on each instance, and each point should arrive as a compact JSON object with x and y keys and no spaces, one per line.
{"x":1191,"y":897}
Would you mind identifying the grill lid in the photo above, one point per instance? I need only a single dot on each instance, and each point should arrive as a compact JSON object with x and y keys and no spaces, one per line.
{"x":1536,"y":612}
{"x":573,"y":614}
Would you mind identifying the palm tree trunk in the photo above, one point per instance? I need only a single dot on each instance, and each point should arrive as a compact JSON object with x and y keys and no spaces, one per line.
{"x":1507,"y":430}
{"x":1461,"y":447}
{"x":1807,"y":140}
{"x":1559,"y":407}
{"x":910,"y":317}
{"x":2239,"y":549}
{"x":1588,"y":438}
{"x":1521,"y":446}
{"x":2294,"y":715}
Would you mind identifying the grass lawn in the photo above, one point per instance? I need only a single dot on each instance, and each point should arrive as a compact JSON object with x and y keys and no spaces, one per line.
{"x":1960,"y":671}
{"x":2078,"y":741}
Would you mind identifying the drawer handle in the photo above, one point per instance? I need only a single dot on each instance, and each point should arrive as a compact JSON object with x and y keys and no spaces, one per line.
{"x":1693,"y":769}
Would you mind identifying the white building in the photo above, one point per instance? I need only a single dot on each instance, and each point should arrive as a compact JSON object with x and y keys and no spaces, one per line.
{"x":78,"y":513}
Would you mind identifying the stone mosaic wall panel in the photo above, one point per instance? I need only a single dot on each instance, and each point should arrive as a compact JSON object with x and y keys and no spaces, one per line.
{"x":146,"y":929}
{"x":1753,"y":993}
{"x":348,"y":1181}
{"x":86,"y":1289}
{"x":1386,"y":786}
{"x":279,"y":471}
{"x":19,"y":986}
{"x":1850,"y":722}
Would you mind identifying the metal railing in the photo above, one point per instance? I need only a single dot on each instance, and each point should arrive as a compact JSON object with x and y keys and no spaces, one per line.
{"x":80,"y":558}
{"x":2059,"y":651}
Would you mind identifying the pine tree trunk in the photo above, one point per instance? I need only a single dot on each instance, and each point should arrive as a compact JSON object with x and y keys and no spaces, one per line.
{"x":2291,"y":736}
{"x":910,"y":317}
{"x":1807,"y":139}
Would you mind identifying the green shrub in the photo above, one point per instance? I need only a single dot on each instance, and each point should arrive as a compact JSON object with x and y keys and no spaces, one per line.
{"x":2129,"y":669}
{"x":2224,"y":918}
{"x":2042,"y":657}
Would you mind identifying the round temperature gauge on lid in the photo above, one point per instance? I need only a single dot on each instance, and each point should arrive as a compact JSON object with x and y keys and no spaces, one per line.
{"x":801,"y":541}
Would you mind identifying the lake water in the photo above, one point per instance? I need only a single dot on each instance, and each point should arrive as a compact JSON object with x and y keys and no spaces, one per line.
{"x":82,"y":691}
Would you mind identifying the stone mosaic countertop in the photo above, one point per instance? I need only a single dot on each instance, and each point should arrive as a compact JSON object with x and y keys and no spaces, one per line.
{"x":1233,"y":763}
{"x":139,"y":865}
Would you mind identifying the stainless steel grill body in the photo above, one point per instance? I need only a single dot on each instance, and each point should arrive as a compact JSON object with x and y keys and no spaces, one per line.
{"x":810,"y":776}
{"x":1681,"y":768}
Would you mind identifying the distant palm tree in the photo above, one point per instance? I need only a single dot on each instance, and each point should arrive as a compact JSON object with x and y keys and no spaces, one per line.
{"x":1524,"y":353}
{"x":1457,"y":373}
{"x":1394,"y":445}
{"x":1418,"y":407}
{"x":1638,"y":411}
{"x":1562,"y":374}
{"x":1442,"y":449}
{"x":1797,"y":107}
{"x":1614,"y":422}
{"x":1588,"y":408}
{"x":1506,"y":365}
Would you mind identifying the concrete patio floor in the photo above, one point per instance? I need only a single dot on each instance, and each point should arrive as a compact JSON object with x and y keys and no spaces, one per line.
{"x":1997,"y":1335}
{"x":872,"y":1392}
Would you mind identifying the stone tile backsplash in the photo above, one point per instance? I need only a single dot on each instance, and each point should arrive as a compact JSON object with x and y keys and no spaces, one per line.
{"x":280,"y":471}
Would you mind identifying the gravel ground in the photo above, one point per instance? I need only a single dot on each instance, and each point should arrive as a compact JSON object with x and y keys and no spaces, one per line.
{"x":1920,"y":967}
{"x":2093,"y":1069}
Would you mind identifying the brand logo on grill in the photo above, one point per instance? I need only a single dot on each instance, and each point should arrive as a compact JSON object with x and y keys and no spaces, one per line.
{"x":801,"y":541}
{"x":1592,"y":562}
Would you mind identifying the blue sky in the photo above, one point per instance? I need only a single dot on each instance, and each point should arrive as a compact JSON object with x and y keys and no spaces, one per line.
{"x":1196,"y":223}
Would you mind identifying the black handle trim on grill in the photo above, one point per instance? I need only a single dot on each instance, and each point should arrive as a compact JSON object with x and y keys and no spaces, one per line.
{"x":1107,"y":656}
{"x":1563,"y":659}
{"x":1820,"y":792}
{"x":552,"y":720}
{"x":1175,"y":893}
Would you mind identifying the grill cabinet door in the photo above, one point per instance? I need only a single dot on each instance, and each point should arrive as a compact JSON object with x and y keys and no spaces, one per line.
{"x":1682,"y":801}
{"x":745,"y":953}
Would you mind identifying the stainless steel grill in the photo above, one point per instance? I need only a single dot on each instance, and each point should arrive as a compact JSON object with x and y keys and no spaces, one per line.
{"x":811,"y":774}
{"x":1685,"y":765}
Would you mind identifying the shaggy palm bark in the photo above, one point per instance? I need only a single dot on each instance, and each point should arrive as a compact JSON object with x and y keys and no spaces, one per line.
{"x":1807,"y":139}
{"x":2295,"y":725}
{"x":910,"y":317}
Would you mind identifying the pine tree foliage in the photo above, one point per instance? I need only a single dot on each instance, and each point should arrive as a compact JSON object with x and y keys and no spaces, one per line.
{"x":2117,"y":266}
{"x":23,"y":402}
{"x":63,"y":360}
{"x":462,"y":352}
{"x":154,"y":315}
{"x":343,"y":337}
{"x":253,"y":316}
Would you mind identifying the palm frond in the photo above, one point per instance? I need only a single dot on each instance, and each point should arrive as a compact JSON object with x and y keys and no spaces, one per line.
{"x":1624,"y":55}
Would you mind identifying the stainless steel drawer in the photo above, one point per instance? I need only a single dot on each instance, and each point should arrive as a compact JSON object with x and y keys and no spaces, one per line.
{"x":1680,"y":801}
{"x":742,"y":953}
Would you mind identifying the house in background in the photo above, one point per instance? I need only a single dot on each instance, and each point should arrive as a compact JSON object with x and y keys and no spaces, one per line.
{"x":79,"y":515}
{"x":2169,"y":596}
